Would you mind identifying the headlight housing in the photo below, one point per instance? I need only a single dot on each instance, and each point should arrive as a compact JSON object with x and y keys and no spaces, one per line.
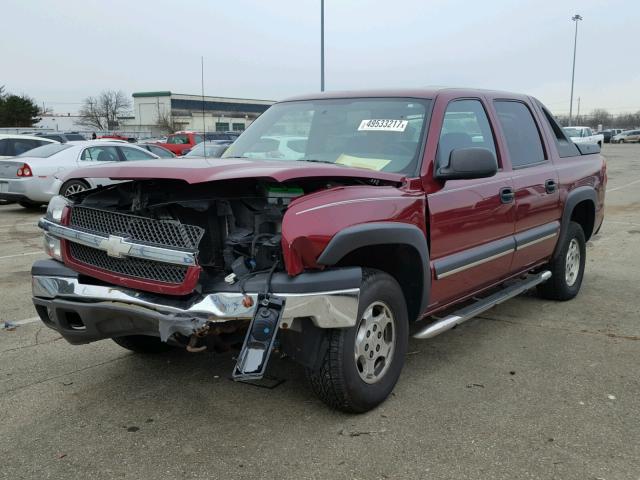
{"x":56,"y":207}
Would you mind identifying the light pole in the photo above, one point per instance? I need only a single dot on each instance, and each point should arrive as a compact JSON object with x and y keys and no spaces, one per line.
{"x":576,"y":18}
{"x":322,"y":45}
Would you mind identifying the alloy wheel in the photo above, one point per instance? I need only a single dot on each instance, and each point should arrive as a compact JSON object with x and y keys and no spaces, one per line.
{"x":375,"y":342}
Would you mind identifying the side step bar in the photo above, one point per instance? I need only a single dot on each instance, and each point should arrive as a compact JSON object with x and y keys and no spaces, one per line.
{"x":481,"y":305}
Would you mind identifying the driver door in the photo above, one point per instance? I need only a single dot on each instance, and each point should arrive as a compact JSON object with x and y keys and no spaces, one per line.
{"x":471,"y":221}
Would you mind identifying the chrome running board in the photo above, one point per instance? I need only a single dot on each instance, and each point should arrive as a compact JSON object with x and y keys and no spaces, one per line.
{"x":481,"y":305}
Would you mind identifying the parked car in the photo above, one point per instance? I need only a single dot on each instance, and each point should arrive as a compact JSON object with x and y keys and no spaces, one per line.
{"x":584,"y":135}
{"x":181,"y":142}
{"x":157,"y":150}
{"x":12,"y":145}
{"x":209,"y":149}
{"x":629,"y":136}
{"x":62,"y":137}
{"x":32,"y":178}
{"x":117,"y":136}
{"x":281,"y":147}
{"x":609,"y":133}
{"x":409,"y":211}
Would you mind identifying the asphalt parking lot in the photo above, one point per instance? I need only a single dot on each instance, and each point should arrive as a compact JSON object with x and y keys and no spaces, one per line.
{"x":533,"y":389}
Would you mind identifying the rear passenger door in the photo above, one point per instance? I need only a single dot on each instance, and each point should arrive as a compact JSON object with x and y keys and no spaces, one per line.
{"x":535,"y":180}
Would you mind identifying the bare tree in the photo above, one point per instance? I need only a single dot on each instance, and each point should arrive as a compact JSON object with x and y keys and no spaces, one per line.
{"x":166,"y":122}
{"x":600,"y":116}
{"x":102,"y":112}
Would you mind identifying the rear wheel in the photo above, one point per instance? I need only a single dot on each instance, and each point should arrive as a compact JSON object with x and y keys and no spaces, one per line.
{"x":363,"y":363}
{"x":142,"y":344}
{"x":73,"y":186}
{"x":567,"y":268}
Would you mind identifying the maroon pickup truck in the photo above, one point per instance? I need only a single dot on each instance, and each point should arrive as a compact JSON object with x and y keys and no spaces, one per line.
{"x":336,"y":226}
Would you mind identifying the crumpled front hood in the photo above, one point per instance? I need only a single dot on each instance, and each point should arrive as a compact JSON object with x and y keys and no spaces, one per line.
{"x":209,"y":170}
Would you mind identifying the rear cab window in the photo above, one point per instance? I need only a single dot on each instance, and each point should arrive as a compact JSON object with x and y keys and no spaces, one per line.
{"x":520,"y":130}
{"x":566,"y":148}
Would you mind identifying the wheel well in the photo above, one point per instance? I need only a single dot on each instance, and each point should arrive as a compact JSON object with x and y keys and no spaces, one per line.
{"x":584,"y":214}
{"x":400,"y":261}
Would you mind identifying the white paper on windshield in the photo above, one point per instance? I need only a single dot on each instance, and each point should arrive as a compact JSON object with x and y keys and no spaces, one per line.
{"x":384,"y":125}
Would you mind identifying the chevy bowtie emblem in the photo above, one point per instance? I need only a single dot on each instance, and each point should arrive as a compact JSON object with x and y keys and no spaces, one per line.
{"x":115,"y":246}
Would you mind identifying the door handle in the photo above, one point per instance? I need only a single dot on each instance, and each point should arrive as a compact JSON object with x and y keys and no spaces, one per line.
{"x":507,"y":195}
{"x":550,"y":186}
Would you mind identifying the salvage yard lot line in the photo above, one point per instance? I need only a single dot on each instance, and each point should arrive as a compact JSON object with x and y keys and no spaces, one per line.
{"x":22,"y":255}
{"x":609,"y":190}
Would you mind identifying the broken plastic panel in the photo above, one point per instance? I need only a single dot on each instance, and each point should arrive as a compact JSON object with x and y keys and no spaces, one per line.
{"x":258,"y":343}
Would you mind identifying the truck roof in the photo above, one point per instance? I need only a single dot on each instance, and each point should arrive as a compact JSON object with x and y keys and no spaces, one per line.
{"x":427,"y":93}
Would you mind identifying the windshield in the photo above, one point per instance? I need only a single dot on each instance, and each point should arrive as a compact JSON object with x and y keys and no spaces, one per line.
{"x":375,"y":133}
{"x":212,"y":150}
{"x":572,"y":132}
{"x":45,"y":150}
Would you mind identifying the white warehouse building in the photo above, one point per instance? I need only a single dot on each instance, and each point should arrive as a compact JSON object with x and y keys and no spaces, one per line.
{"x":185,"y":112}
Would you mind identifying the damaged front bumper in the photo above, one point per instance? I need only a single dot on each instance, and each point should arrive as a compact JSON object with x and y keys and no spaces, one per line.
{"x":84,"y":311}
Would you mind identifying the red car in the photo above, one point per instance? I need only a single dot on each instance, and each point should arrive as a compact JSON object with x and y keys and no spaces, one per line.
{"x":181,"y":143}
{"x":333,"y":227}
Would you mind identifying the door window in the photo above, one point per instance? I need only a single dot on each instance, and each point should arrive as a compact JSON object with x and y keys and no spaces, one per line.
{"x":132,"y":154}
{"x":520,"y":131}
{"x":161,"y":152}
{"x":465,"y":125}
{"x":100,"y":154}
{"x":178,"y":139}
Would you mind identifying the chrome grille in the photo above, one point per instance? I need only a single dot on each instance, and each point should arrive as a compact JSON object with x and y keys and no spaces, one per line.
{"x":165,"y":233}
{"x":131,"y":267}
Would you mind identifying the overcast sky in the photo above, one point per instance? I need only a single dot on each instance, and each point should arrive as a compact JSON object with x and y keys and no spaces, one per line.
{"x":60,"y":52}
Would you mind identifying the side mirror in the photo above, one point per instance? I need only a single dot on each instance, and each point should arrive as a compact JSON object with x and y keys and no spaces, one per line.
{"x":467,"y":163}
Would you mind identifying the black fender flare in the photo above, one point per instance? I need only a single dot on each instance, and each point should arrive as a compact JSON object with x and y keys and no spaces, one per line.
{"x":381,"y":233}
{"x":575,"y":196}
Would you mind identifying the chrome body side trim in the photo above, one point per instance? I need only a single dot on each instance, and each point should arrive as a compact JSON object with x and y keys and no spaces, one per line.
{"x":330,"y":309}
{"x":473,"y":264}
{"x":117,"y":246}
{"x":537,"y":240}
{"x":347,"y":202}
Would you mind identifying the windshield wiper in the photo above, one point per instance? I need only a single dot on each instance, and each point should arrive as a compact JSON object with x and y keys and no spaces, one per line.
{"x":313,"y":160}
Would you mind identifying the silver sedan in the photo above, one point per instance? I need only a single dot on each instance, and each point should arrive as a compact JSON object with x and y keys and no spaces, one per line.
{"x":34,"y":177}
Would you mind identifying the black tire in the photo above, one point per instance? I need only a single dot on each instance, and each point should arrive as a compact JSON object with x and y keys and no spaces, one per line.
{"x":75,"y":184}
{"x":143,"y":344}
{"x":338,"y":381}
{"x":558,"y":287}
{"x":621,"y":141}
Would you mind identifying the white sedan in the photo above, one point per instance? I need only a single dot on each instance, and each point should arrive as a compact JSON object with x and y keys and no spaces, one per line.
{"x":34,"y":177}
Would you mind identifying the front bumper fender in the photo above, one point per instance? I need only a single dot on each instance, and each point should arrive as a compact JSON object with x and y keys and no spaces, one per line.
{"x":84,"y":312}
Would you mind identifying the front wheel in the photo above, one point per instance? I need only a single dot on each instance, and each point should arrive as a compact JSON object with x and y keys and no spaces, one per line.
{"x":363,"y":363}
{"x":567,"y":269}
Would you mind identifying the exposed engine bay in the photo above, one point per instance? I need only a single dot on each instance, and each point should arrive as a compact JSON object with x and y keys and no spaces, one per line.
{"x":241,"y":220}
